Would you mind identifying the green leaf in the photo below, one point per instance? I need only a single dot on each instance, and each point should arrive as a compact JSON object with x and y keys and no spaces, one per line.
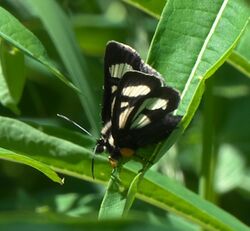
{"x":74,"y":160}
{"x":25,"y":140}
{"x":190,"y":44}
{"x":113,"y":201}
{"x":22,"y":159}
{"x":164,"y":193}
{"x":230,"y":169}
{"x":58,"y":26}
{"x":124,"y":197}
{"x":16,"y":34}
{"x":27,"y":221}
{"x":245,"y":184}
{"x":133,"y":189}
{"x":12,"y":76}
{"x":152,"y":7}
{"x":240,"y":58}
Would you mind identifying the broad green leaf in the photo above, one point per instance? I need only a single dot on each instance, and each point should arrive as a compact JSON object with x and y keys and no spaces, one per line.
{"x":16,"y":34}
{"x":152,"y":7}
{"x":240,"y":56}
{"x":22,"y":159}
{"x":12,"y":76}
{"x":57,"y":24}
{"x":192,"y":40}
{"x":74,"y":160}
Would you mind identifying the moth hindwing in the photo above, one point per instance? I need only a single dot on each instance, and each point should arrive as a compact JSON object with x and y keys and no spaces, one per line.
{"x":137,"y":104}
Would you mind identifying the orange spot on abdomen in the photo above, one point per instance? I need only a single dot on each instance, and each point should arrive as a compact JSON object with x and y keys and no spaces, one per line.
{"x":127,"y":152}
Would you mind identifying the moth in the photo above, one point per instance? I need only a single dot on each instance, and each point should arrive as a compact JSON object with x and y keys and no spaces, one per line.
{"x":137,"y":104}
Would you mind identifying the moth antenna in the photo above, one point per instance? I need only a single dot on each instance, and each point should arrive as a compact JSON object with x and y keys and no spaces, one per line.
{"x":87,"y":132}
{"x":73,"y":122}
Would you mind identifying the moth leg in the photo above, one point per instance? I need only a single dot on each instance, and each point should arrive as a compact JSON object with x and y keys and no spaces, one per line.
{"x":115,"y":176}
{"x":143,"y":160}
{"x":113,"y":162}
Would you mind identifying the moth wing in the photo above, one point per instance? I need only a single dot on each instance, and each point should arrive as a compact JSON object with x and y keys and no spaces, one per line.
{"x":142,"y":107}
{"x":151,"y":133}
{"x":119,"y":59}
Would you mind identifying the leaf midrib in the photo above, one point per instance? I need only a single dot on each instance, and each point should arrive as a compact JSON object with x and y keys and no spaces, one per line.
{"x":203,"y":49}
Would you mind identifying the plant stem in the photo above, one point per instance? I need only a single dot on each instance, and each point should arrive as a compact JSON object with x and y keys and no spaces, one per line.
{"x":206,"y":189}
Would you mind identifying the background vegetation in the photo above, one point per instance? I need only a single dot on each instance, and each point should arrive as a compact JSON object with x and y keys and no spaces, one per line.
{"x":211,"y":158}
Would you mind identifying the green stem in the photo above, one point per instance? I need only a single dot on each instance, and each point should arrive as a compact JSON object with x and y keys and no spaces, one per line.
{"x":206,"y":189}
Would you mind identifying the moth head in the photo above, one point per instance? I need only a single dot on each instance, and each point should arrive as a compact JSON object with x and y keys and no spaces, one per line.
{"x":100,"y":146}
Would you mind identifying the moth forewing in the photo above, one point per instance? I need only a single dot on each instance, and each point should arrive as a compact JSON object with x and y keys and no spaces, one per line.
{"x":134,"y":88}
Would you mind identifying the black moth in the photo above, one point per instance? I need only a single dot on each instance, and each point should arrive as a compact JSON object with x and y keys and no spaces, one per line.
{"x":137,"y":105}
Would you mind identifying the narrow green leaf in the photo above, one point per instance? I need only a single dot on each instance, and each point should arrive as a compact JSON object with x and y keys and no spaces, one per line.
{"x":126,"y":196}
{"x":240,"y":62}
{"x":16,"y":34}
{"x":22,"y":159}
{"x":12,"y":76}
{"x":57,"y":24}
{"x":192,"y":40}
{"x":27,"y":221}
{"x":118,"y":200}
{"x":152,"y":7}
{"x":74,"y":160}
{"x":240,"y":58}
{"x":114,"y":200}
{"x":133,"y":189}
{"x":25,"y":140}
{"x":161,"y":191}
